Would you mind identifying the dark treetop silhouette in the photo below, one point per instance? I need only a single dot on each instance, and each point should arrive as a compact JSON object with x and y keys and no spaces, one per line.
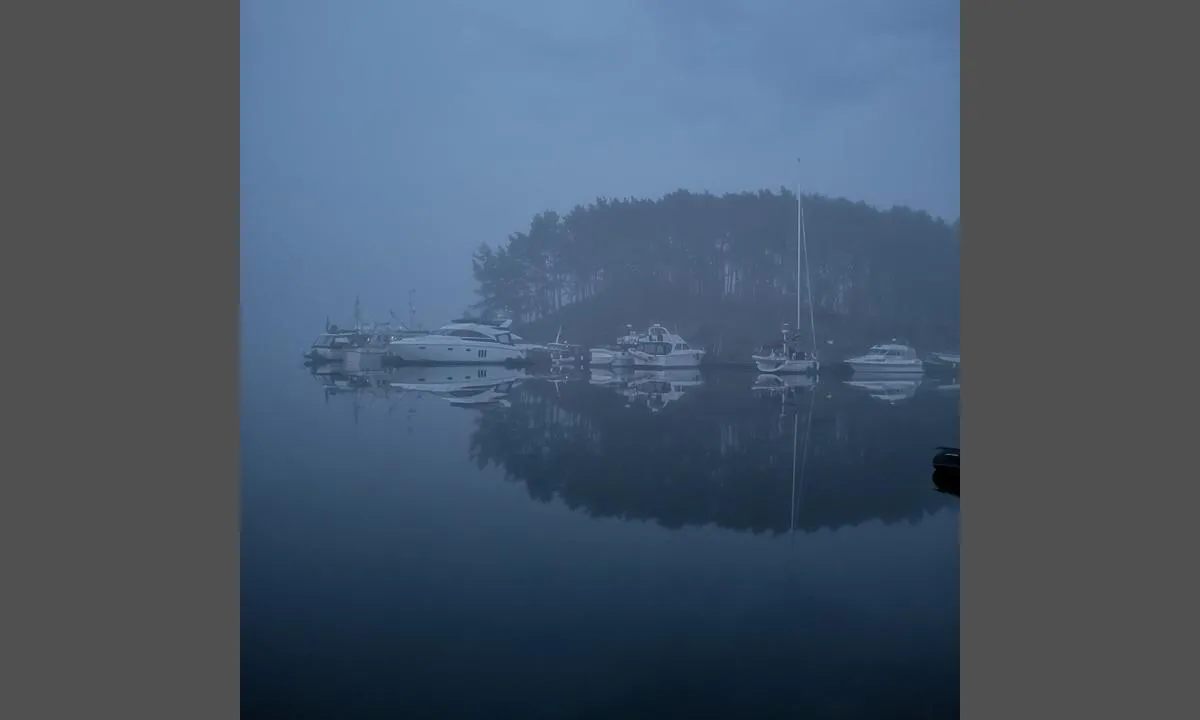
{"x":721,"y":270}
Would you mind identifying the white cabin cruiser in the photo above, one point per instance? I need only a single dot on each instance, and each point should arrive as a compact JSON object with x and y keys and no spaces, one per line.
{"x":474,"y":342}
{"x":889,"y":358}
{"x":662,"y":349}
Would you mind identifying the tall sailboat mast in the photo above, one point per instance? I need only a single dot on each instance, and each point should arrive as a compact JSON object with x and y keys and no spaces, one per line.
{"x":812,"y":323}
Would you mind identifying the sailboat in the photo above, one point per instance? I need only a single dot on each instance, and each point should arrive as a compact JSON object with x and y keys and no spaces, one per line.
{"x":787,"y":357}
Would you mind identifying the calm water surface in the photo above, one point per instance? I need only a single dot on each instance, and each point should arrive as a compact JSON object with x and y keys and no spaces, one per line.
{"x":679,"y":546}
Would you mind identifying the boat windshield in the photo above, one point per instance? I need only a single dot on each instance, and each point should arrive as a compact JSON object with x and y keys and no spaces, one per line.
{"x":655,"y":348}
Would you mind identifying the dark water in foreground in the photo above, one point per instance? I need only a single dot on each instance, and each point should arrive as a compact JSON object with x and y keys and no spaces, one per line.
{"x":575,"y":550}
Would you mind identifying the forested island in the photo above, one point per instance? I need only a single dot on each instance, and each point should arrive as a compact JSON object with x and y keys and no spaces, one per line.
{"x":722,"y":271}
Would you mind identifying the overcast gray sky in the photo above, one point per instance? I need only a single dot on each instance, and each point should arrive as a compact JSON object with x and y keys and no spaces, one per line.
{"x":383,"y":140}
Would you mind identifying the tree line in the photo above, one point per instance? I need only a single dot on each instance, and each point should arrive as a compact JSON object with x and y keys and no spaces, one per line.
{"x":725,"y":267}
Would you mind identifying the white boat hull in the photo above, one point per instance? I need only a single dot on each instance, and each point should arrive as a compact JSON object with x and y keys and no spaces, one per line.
{"x":603,"y":357}
{"x":886,"y":368}
{"x":783,"y":366}
{"x":439,"y":353}
{"x":683,"y":359}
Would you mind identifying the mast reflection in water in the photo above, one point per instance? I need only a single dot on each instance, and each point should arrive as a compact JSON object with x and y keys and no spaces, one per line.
{"x":700,"y":544}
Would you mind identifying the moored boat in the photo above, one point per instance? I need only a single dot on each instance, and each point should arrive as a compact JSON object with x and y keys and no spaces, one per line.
{"x":463,"y":342}
{"x":887,"y":358}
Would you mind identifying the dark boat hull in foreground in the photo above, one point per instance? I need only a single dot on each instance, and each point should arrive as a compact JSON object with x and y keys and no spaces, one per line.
{"x":945,"y":470}
{"x":946,"y":458}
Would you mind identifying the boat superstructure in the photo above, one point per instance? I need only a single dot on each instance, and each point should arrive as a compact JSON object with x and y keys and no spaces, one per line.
{"x":660,"y":348}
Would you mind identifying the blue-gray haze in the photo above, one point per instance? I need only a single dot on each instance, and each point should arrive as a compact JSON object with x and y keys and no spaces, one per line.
{"x":383,"y":141}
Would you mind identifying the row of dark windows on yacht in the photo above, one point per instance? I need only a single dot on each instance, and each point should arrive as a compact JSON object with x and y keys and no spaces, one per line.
{"x":474,"y":335}
{"x":661,"y":348}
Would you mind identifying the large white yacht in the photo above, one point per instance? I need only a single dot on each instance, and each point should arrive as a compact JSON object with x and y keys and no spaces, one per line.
{"x":464,"y":342}
{"x":660,"y":348}
{"x":887,"y":358}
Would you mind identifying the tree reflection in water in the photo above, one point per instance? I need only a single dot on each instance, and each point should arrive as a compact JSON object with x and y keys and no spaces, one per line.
{"x":721,"y":454}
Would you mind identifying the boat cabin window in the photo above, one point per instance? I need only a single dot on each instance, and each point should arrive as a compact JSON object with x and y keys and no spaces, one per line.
{"x":681,"y":346}
{"x":505,"y":338}
{"x":655,"y":348}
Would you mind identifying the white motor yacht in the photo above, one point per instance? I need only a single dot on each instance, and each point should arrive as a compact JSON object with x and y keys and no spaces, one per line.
{"x":474,"y":342}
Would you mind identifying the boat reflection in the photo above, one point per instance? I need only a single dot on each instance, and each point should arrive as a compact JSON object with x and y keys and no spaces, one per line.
{"x":459,"y":385}
{"x":891,"y":389}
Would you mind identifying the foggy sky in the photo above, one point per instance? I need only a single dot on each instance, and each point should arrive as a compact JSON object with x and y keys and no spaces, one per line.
{"x":382,"y":141}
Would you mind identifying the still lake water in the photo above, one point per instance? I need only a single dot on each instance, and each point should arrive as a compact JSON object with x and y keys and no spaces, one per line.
{"x":588,"y":549}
